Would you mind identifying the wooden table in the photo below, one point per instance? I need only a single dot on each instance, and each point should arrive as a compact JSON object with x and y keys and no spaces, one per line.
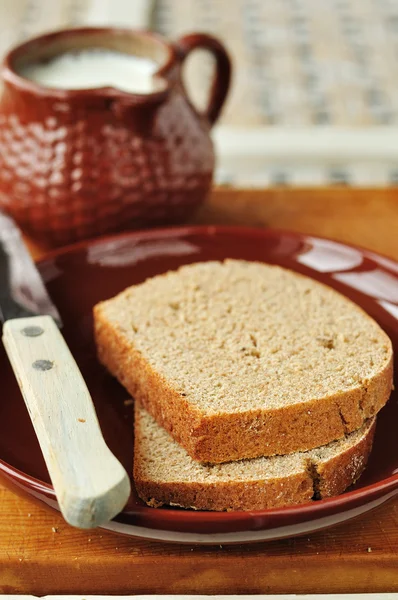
{"x":40,"y":554}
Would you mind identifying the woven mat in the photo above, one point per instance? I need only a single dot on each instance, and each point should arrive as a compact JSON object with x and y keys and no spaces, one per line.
{"x":315,"y":94}
{"x":299,"y":62}
{"x":22,"y":19}
{"x":314,"y":99}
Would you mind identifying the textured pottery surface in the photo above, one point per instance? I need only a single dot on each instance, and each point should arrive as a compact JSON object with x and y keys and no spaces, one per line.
{"x":77,"y":163}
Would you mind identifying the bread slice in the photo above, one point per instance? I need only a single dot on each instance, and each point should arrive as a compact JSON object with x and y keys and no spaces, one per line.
{"x":238,"y":359}
{"x":165,"y":474}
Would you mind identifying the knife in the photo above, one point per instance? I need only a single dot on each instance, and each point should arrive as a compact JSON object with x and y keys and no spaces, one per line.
{"x":90,"y":484}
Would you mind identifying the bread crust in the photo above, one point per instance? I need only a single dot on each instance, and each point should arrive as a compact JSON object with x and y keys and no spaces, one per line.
{"x":328,"y":478}
{"x":338,"y":473}
{"x":227,"y":437}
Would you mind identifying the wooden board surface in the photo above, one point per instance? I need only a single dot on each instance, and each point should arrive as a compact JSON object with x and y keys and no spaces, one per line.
{"x":40,"y":554}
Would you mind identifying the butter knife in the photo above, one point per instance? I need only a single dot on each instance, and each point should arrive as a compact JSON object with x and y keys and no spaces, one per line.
{"x":90,"y":484}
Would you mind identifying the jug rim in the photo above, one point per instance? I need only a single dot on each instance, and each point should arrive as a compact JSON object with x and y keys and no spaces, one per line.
{"x":11,"y":75}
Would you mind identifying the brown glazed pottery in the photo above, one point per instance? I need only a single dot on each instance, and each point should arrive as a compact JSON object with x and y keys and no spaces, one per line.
{"x":77,"y":163}
{"x":80,"y":276}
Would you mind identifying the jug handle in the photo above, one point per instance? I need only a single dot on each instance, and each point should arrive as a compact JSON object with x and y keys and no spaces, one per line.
{"x":222,"y":76}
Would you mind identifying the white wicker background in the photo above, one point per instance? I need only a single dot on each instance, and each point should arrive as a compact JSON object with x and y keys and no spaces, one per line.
{"x":315,"y":93}
{"x":301,"y":62}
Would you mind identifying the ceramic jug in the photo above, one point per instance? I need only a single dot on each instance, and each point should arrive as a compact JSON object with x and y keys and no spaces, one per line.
{"x":78,"y":163}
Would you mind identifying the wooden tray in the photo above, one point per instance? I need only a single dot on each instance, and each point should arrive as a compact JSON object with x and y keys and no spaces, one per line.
{"x":40,"y":554}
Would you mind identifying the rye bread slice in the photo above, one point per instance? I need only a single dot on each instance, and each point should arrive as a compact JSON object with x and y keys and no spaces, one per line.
{"x":164,"y":473}
{"x":238,"y":359}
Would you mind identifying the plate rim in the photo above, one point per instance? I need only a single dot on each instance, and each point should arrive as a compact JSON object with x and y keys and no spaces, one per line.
{"x":169,"y":518}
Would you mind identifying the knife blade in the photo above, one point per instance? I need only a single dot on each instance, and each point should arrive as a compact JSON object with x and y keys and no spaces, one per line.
{"x":22,"y":291}
{"x":90,"y":484}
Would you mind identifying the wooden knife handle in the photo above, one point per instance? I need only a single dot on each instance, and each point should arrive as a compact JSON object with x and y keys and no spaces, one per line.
{"x":90,"y":483}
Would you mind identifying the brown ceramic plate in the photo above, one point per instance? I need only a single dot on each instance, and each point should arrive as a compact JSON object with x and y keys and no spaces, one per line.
{"x":80,"y":276}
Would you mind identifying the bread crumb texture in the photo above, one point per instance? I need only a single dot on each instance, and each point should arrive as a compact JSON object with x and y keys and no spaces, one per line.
{"x":240,"y":359}
{"x":165,"y":474}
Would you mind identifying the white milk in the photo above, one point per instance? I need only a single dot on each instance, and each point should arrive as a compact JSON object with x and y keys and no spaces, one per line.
{"x":94,"y":68}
